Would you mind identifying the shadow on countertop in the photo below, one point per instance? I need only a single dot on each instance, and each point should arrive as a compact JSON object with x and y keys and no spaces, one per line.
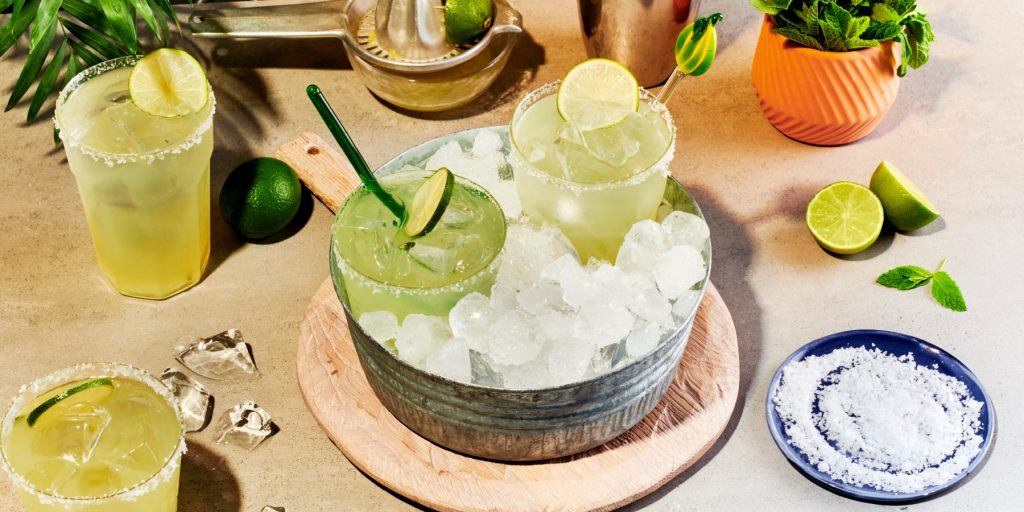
{"x":207,"y":484}
{"x":732,"y":256}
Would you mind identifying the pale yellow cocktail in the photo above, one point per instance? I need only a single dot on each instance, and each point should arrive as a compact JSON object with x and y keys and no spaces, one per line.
{"x":144,"y":181}
{"x":97,"y":437}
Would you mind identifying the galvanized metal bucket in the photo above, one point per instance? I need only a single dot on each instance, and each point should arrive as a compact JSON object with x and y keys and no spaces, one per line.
{"x":521,"y":425}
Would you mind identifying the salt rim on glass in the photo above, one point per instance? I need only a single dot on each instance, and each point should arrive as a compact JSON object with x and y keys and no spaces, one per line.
{"x":30,"y":391}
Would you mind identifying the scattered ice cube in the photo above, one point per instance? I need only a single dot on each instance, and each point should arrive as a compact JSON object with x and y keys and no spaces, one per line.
{"x":245,"y":425}
{"x":643,"y":339}
{"x":193,"y":398}
{"x":527,"y":376}
{"x":451,"y":361}
{"x":503,"y":298}
{"x":682,"y":228}
{"x":222,"y":356}
{"x":420,"y":336}
{"x":379,"y":325}
{"x":608,"y":358}
{"x":680,"y":268}
{"x":555,"y":325}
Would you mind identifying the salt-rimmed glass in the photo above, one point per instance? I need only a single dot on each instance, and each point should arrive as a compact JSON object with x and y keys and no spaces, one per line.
{"x":158,"y":493}
{"x":594,"y":216}
{"x":363,"y":293}
{"x":148,"y":207}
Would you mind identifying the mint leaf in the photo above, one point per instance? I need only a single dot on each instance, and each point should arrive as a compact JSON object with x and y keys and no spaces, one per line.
{"x":771,"y":6}
{"x":906,"y":277}
{"x":798,"y":36}
{"x":947,"y":293}
{"x":883,"y":13}
{"x":882,"y":31}
{"x":919,"y":37}
{"x":833,"y":26}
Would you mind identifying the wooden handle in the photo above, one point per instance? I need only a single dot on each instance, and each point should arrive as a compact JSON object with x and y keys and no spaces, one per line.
{"x":323,"y":169}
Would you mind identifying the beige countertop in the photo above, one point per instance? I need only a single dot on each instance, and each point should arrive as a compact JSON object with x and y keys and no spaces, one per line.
{"x":956,"y":128}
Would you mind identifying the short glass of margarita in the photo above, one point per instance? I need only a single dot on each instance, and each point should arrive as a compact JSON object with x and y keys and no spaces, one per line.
{"x":144,"y":181}
{"x":97,"y":437}
{"x":593,"y":185}
{"x":376,"y":267}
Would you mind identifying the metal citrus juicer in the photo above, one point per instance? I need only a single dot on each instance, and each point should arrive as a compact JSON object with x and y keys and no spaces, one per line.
{"x":397,"y":47}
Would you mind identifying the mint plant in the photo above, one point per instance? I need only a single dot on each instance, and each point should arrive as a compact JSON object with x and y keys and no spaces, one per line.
{"x":845,"y":25}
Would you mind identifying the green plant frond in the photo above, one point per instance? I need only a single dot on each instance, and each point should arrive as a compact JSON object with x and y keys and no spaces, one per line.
{"x":92,"y":30}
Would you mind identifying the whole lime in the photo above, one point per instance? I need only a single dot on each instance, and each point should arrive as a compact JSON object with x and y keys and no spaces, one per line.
{"x":260,"y":197}
{"x":465,"y":20}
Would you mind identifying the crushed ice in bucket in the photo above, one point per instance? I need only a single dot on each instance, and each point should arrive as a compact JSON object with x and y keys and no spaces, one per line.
{"x":551,"y":320}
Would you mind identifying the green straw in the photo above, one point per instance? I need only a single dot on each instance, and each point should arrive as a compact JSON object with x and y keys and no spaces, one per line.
{"x":353,"y":154}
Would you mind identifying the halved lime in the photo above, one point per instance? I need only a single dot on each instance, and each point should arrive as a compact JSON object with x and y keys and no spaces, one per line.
{"x":905,"y":205}
{"x":168,"y":83}
{"x":597,"y":93}
{"x":92,"y":391}
{"x":845,"y":218}
{"x":429,"y":203}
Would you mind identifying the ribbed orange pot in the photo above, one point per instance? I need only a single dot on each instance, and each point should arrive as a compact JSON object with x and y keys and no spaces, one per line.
{"x":824,"y":98}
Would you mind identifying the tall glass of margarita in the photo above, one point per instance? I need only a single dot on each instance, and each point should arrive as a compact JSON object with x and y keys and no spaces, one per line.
{"x":98,"y":437}
{"x":144,"y":181}
{"x":593,"y":185}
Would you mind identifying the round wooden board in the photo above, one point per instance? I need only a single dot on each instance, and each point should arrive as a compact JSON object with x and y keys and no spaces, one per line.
{"x":670,"y":439}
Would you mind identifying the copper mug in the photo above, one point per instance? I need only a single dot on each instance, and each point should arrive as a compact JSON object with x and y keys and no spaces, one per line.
{"x":640,"y":34}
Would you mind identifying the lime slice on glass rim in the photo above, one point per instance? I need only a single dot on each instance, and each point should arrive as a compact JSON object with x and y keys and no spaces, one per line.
{"x":89,"y":391}
{"x":597,"y":93}
{"x":845,"y":218}
{"x":429,"y":202}
{"x":168,"y":83}
{"x":905,"y":205}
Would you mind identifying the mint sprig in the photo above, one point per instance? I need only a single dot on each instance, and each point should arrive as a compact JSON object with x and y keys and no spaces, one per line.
{"x":845,"y":25}
{"x":944,"y":289}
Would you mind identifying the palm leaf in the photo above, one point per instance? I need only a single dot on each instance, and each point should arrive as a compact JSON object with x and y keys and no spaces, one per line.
{"x":122,"y":18}
{"x":48,"y":81}
{"x":89,"y":14}
{"x":94,"y":39}
{"x":17,"y":25}
{"x":146,"y":13}
{"x":43,"y":32}
{"x":85,"y":54}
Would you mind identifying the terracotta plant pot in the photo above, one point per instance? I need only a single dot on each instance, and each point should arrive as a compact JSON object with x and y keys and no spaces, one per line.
{"x":823,"y":98}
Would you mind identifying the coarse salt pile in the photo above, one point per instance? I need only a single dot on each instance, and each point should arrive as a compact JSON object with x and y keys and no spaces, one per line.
{"x":869,"y":418}
{"x":551,"y":320}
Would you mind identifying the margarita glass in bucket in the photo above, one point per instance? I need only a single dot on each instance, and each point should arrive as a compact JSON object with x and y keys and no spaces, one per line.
{"x":97,"y":437}
{"x":376,"y":268}
{"x":144,"y":181}
{"x":596,"y":203}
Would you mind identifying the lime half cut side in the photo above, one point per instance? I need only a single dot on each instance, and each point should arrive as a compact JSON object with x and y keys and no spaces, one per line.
{"x":597,"y":93}
{"x":905,"y":205}
{"x":845,"y":218}
{"x":91,"y":391}
{"x":168,"y":83}
{"x":429,"y":203}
